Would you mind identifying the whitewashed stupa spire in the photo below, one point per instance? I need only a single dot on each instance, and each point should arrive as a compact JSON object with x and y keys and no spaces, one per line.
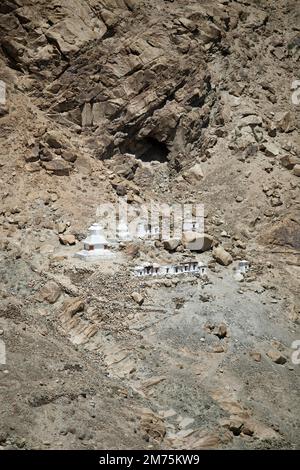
{"x":95,"y":245}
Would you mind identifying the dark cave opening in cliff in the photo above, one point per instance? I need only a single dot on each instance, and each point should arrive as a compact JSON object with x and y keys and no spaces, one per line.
{"x":150,"y":149}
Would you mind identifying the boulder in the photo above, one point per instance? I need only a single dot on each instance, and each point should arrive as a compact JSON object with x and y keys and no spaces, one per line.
{"x":289,"y":161}
{"x":67,"y":239}
{"x":209,"y":33}
{"x":222,"y":256}
{"x":132,"y":250}
{"x":137,"y":297}
{"x":248,"y":428}
{"x":271,"y":150}
{"x":188,"y":24}
{"x":61,"y":227}
{"x":284,"y":121}
{"x":75,"y":31}
{"x":195,"y":241}
{"x":69,"y":156}
{"x":3,"y":109}
{"x":276,"y":356}
{"x":251,"y":120}
{"x":57,"y":167}
{"x":33,"y":167}
{"x":46,"y":155}
{"x":296,"y":170}
{"x":73,"y":306}
{"x":171,"y":244}
{"x":52,"y":139}
{"x":194,"y":174}
{"x":50,"y":292}
{"x":33,"y":154}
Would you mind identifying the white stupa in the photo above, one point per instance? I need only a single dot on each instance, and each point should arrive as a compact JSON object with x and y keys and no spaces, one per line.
{"x":123,"y":233}
{"x":95,"y":245}
{"x":243,"y":266}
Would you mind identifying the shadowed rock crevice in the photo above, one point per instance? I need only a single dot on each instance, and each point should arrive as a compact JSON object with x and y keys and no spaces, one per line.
{"x":150,"y":149}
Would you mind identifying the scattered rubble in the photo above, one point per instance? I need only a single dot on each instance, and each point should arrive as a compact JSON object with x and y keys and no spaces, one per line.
{"x":50,"y":292}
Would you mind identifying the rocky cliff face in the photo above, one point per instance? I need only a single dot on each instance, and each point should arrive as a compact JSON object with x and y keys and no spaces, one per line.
{"x":171,"y":82}
{"x":176,"y":101}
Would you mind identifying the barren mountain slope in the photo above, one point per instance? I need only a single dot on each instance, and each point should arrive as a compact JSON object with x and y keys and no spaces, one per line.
{"x":176,"y":101}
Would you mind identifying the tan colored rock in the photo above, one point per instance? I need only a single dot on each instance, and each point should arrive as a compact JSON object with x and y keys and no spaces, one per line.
{"x":50,"y":292}
{"x":248,"y":428}
{"x":53,"y":139}
{"x":152,"y":426}
{"x":188,"y":24}
{"x":72,"y":33}
{"x":58,"y":167}
{"x":69,"y":156}
{"x":188,"y":237}
{"x":276,"y":356}
{"x":284,"y":121}
{"x":33,"y":167}
{"x":194,"y":174}
{"x":32,"y":155}
{"x":296,"y":170}
{"x":137,"y":297}
{"x":251,"y":120}
{"x":195,"y":241}
{"x":209,"y":33}
{"x":289,"y":161}
{"x":256,"y":356}
{"x":271,"y":149}
{"x":61,"y":227}
{"x":73,"y":306}
{"x":171,"y":244}
{"x":46,"y":154}
{"x":3,"y":109}
{"x":67,"y":239}
{"x":222,"y":256}
{"x":132,"y":250}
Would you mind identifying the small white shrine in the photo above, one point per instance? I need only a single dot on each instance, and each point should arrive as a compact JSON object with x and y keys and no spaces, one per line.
{"x":243,"y":266}
{"x":123,"y":233}
{"x":95,"y":246}
{"x":202,"y":268}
